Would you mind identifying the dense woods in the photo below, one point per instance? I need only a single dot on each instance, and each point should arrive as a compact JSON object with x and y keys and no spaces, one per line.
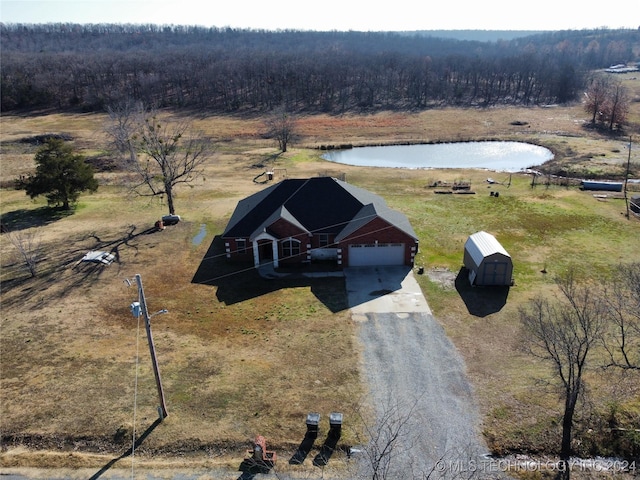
{"x":89,"y":67}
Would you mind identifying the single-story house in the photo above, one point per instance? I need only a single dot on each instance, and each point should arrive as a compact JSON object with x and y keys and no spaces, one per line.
{"x":486,"y":260}
{"x":299,"y":221}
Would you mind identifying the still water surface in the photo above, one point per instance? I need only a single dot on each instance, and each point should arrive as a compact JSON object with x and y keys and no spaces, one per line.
{"x":498,"y":156}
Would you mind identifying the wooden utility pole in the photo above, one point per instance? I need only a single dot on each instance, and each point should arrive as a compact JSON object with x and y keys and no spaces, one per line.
{"x":162,"y":409}
{"x":626,"y":178}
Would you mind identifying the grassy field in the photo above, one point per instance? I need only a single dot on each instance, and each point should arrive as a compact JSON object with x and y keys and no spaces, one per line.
{"x":242,"y":356}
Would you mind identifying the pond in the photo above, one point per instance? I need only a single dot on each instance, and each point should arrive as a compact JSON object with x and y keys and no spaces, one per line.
{"x":490,"y":155}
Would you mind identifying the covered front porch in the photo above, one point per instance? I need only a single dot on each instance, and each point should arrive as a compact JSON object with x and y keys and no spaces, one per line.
{"x":265,"y":250}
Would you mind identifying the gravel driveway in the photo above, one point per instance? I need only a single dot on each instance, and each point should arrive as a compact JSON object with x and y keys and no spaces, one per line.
{"x":416,"y":377}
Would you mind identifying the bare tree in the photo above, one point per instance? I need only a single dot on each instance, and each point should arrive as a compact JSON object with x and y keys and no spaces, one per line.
{"x":282,"y":127}
{"x":617,"y":105}
{"x":564,"y":334}
{"x":621,"y":298}
{"x":124,"y":119}
{"x":29,"y":247}
{"x":178,"y":156}
{"x":390,"y":447}
{"x":386,"y":437}
{"x":596,"y":98}
{"x":607,"y":102}
{"x":163,"y":153}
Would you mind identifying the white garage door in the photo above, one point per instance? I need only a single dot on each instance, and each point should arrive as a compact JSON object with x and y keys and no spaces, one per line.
{"x":371,"y":254}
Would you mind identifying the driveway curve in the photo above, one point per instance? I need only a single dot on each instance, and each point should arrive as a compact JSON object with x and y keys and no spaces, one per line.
{"x":417,"y":380}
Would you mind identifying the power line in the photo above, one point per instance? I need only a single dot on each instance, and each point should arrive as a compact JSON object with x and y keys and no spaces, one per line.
{"x":317,"y":230}
{"x":248,"y":269}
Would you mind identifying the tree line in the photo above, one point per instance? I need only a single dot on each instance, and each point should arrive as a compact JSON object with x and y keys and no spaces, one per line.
{"x":89,"y":67}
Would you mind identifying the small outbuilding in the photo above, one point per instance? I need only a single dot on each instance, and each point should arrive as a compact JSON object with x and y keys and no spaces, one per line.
{"x":601,"y":185}
{"x":486,"y":260}
{"x":635,"y":203}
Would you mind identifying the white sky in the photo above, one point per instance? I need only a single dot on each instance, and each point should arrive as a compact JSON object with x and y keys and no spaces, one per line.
{"x":363,"y":15}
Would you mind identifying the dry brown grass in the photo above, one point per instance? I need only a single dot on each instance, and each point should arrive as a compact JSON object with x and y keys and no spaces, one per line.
{"x":240,"y":355}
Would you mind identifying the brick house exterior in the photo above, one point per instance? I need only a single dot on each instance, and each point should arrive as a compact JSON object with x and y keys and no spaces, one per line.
{"x":300,"y":221}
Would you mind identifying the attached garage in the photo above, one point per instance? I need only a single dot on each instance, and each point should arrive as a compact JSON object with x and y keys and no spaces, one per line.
{"x":486,"y":260}
{"x":365,"y":254}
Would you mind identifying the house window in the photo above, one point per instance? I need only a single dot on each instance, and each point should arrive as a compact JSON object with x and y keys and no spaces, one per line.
{"x":323,"y":240}
{"x":290,"y":248}
{"x":241,"y":245}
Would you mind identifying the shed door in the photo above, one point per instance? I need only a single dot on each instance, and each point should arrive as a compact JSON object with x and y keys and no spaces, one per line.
{"x":376,"y":254}
{"x":495,"y":273}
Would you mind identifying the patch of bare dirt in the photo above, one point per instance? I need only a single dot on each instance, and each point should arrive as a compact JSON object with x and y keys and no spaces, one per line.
{"x":443,"y":276}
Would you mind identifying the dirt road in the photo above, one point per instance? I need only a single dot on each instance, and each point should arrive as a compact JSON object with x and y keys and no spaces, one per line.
{"x":417,"y":379}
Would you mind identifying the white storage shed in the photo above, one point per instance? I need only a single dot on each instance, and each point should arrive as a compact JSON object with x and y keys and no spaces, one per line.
{"x":487,"y":262}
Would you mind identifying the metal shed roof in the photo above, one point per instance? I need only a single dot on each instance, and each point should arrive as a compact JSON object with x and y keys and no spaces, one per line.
{"x":481,"y":245}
